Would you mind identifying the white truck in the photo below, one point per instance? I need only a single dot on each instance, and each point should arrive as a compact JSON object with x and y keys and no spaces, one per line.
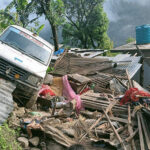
{"x":24,"y":59}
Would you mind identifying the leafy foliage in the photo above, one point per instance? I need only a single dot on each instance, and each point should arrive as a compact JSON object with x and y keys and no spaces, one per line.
{"x":7,"y":139}
{"x":37,"y":28}
{"x":53,"y":11}
{"x":130,"y":39}
{"x":18,"y":13}
{"x":86,"y":24}
{"x":23,"y":8}
{"x":5,"y":21}
{"x":110,"y":54}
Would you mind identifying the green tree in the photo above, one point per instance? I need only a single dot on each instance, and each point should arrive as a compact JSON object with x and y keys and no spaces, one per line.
{"x":86,"y":24}
{"x":23,"y":8}
{"x":53,"y":11}
{"x":130,"y":39}
{"x":18,"y":13}
{"x":5,"y":21}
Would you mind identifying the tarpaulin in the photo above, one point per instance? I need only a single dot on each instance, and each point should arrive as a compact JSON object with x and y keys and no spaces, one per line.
{"x":60,"y":51}
{"x":45,"y":90}
{"x":69,"y":94}
{"x":132,"y":95}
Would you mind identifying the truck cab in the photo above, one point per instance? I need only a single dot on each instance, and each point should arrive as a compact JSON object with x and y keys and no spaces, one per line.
{"x":24,"y":58}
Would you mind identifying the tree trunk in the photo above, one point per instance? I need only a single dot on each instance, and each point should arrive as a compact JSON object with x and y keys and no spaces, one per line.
{"x":55,"y":37}
{"x":85,"y":44}
{"x":84,"y":41}
{"x":92,"y":42}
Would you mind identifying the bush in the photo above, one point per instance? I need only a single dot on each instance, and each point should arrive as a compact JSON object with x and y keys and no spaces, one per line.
{"x":110,"y":54}
{"x":8,"y":138}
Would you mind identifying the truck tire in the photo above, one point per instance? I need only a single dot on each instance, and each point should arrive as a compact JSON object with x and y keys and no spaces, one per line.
{"x":6,"y":99}
{"x":31,"y":103}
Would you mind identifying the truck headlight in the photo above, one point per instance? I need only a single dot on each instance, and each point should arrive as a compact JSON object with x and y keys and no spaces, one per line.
{"x":33,"y":80}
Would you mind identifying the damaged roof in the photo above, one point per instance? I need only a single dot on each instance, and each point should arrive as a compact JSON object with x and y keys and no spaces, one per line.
{"x":131,"y":63}
{"x":132,"y":47}
{"x":126,"y":61}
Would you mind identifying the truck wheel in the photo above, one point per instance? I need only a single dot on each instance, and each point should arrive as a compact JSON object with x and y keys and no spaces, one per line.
{"x":6,"y":99}
{"x":32,"y":100}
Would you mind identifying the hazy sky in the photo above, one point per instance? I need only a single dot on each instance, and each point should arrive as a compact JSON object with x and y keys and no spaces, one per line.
{"x":112,"y":6}
{"x":124,"y":16}
{"x":4,"y":3}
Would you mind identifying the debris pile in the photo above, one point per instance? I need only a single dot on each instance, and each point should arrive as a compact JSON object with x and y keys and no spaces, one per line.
{"x":87,"y":102}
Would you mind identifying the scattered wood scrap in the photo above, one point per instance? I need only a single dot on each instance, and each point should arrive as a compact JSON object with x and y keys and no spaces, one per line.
{"x":79,"y":78}
{"x":98,"y":101}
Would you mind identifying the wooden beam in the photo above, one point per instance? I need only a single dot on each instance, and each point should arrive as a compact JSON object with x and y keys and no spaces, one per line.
{"x":140,"y":132}
{"x":115,"y":132}
{"x":132,"y":135}
{"x":130,"y":129}
{"x":145,"y":131}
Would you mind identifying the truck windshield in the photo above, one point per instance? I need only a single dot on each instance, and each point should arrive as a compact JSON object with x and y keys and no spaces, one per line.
{"x":26,"y":44}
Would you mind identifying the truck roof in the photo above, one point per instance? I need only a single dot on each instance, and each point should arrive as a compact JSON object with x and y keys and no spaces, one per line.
{"x":36,"y":37}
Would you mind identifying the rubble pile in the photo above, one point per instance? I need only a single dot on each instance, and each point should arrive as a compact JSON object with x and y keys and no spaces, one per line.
{"x":83,"y":103}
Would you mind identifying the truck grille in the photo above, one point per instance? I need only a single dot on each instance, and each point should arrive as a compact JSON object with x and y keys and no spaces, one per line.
{"x":9,"y":70}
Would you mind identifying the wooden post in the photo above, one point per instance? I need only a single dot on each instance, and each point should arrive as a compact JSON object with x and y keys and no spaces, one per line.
{"x":130,"y":82}
{"x":140,"y":132}
{"x":130,"y":129}
{"x":115,"y":132}
{"x":132,"y":136}
{"x":142,"y":68}
{"x":145,"y":131}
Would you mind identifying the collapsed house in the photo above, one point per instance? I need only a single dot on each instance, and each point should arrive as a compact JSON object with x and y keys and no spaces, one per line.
{"x":92,"y":101}
{"x":144,"y":51}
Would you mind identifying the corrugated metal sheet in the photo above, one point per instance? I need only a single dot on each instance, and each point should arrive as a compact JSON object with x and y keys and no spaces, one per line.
{"x":88,"y":53}
{"x":85,"y":53}
{"x":126,"y":61}
{"x":6,"y":99}
{"x":131,"y":63}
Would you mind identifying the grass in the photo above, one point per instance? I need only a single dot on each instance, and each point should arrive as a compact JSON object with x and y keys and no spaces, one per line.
{"x":8,"y":138}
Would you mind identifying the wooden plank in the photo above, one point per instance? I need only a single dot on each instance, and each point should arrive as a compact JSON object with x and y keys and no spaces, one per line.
{"x":90,"y":94}
{"x":100,"y":101}
{"x":140,"y":132}
{"x":130,"y":129}
{"x":103,"y":102}
{"x":130,"y":82}
{"x":115,"y":132}
{"x":119,"y":119}
{"x":145,"y":131}
{"x":132,"y":135}
{"x":79,"y":78}
{"x":121,"y":129}
{"x":100,"y":105}
{"x":111,"y":105}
